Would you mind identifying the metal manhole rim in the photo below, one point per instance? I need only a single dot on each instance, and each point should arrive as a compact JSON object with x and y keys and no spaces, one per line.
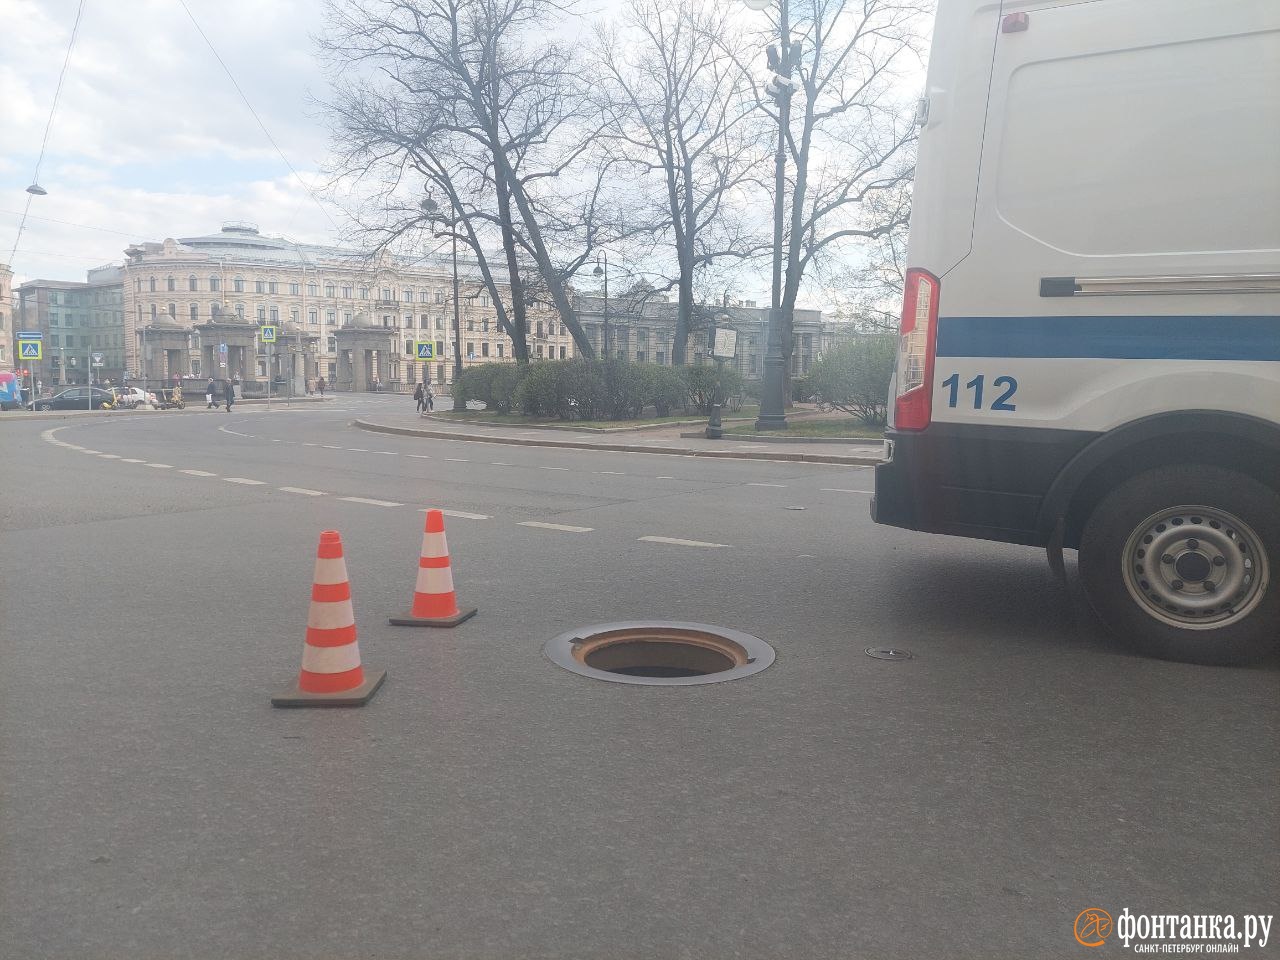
{"x":560,"y":651}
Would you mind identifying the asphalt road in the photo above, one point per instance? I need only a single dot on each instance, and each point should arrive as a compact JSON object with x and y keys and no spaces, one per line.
{"x":969,"y":802}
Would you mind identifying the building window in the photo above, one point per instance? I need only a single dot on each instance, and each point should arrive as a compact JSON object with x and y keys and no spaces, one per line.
{"x":313,"y":289}
{"x":539,"y":328}
{"x":330,"y":317}
{"x":562,"y":351}
{"x":152,"y":281}
{"x":262,"y":312}
{"x":215,"y":284}
{"x":295,"y":289}
{"x":484,"y":325}
{"x":313,"y":316}
{"x":484,"y":349}
{"x":408,"y":295}
{"x":408,"y":348}
{"x":332,"y":344}
{"x":439,"y":348}
{"x":173,"y":310}
{"x":539,"y":350}
{"x":259,"y":286}
{"x":423,"y":296}
{"x":237,"y":285}
{"x":192,"y":283}
{"x":293,"y":314}
{"x":275,"y":314}
{"x":386,"y":293}
{"x":471,"y":326}
{"x":439,"y":323}
{"x":471,"y":350}
{"x":240,"y":310}
{"x":346,"y":319}
{"x":137,"y":285}
{"x":499,"y":349}
{"x":273,"y":287}
{"x":346,"y":293}
{"x":330,"y":291}
{"x":439,"y":296}
{"x":364,"y":293}
{"x":408,"y":321}
{"x":170,"y":284}
{"x":484,"y":299}
{"x":194,"y":311}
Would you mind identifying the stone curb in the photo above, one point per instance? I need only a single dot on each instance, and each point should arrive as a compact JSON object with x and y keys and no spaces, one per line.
{"x":769,"y":438}
{"x":619,"y":447}
{"x":440,"y":418}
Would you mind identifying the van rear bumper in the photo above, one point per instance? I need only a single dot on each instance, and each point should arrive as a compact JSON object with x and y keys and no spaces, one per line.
{"x":973,"y":480}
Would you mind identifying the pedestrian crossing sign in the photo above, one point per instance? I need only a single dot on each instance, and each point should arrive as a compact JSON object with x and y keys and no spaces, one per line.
{"x":269,"y":334}
{"x":30,"y":349}
{"x":426,"y":349}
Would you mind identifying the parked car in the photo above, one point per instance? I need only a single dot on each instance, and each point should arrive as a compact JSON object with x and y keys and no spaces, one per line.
{"x":75,"y":398}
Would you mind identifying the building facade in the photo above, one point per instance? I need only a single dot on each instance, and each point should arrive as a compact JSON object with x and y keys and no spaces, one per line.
{"x":192,"y":306}
{"x":82,"y":324}
{"x":7,"y":360}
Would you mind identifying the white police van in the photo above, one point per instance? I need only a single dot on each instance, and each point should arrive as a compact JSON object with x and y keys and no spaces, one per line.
{"x":1090,"y":341}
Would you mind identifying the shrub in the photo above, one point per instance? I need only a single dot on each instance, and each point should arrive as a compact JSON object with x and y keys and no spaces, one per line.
{"x":505,"y":383}
{"x":666,"y":389}
{"x":801,"y":389}
{"x":854,"y":377}
{"x":476,"y":383}
{"x":700,"y":384}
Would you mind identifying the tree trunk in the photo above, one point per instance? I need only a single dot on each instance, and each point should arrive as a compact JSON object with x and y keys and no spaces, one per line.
{"x":520,"y":339}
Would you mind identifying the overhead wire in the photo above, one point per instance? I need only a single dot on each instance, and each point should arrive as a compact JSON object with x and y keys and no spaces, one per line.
{"x":44,"y":141}
{"x":263,"y":126}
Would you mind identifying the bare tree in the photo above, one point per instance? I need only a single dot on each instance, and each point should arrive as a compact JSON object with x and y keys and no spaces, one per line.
{"x":678,"y":111}
{"x":868,"y":295}
{"x":849,"y":137}
{"x":473,"y":97}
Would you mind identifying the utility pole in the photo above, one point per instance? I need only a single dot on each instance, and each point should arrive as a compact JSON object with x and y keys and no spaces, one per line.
{"x":459,"y":404}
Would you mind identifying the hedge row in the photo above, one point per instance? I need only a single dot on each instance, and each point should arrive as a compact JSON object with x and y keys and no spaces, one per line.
{"x":595,"y":389}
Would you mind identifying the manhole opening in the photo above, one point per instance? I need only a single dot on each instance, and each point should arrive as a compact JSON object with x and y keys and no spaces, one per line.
{"x":662,"y":651}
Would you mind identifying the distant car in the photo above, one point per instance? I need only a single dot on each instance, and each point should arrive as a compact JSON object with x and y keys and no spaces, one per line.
{"x":75,"y":398}
{"x":133,"y":396}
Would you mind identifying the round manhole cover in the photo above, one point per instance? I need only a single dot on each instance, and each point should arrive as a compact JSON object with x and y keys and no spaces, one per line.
{"x":659,"y":653}
{"x":888,"y":653}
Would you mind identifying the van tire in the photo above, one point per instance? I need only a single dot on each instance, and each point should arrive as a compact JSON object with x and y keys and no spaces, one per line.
{"x":1120,"y":515}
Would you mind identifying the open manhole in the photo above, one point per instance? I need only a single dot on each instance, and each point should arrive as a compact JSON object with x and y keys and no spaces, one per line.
{"x":659,"y":653}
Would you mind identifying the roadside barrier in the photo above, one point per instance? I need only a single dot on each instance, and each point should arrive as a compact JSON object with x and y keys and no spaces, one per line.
{"x":435,"y":604}
{"x":331,"y":675}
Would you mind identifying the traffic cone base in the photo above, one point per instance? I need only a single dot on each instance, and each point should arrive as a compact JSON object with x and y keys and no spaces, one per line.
{"x":409,"y":620}
{"x":356,"y":697}
{"x":435,"y":604}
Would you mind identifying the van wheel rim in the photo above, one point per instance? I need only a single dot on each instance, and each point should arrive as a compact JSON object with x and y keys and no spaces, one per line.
{"x":1195,"y":567}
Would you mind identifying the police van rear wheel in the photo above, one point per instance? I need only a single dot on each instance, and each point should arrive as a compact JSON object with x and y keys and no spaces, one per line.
{"x":1181,"y":563}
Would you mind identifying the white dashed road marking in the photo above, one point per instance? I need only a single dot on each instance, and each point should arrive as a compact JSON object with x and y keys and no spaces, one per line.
{"x":553,"y":468}
{"x":131,"y":460}
{"x":87,"y":450}
{"x":330,"y":446}
{"x":357,"y":450}
{"x":245,"y":480}
{"x":460,"y":514}
{"x":766,"y":484}
{"x":302,"y":490}
{"x":419,"y":456}
{"x":844,"y":490}
{"x":161,"y":466}
{"x":389,"y":453}
{"x":109,"y":456}
{"x":611,"y":473}
{"x":456,"y":460}
{"x":198,"y":473}
{"x":567,"y":528}
{"x":372,"y":503}
{"x":681,"y":543}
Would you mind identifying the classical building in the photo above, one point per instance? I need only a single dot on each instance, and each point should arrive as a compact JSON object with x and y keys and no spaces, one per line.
{"x":194,"y":305}
{"x":642,"y":327}
{"x":82,"y":325}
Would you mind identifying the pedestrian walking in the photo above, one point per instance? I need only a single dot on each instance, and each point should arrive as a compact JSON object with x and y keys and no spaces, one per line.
{"x":230,"y":393}
{"x":208,"y":395}
{"x":419,"y":401}
{"x":320,"y":386}
{"x":430,"y":398}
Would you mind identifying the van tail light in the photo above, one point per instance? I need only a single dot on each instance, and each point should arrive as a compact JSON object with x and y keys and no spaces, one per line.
{"x":917,"y":343}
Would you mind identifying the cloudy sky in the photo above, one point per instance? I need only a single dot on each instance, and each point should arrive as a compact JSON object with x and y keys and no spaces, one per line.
{"x":150,"y":138}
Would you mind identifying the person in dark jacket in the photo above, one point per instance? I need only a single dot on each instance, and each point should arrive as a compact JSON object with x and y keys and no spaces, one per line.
{"x":320,"y":386}
{"x":418,"y":399}
{"x":208,"y":395}
{"x":230,"y":393}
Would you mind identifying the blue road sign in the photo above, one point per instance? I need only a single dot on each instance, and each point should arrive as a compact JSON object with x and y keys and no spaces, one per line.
{"x":269,"y":334}
{"x":426,"y":349}
{"x":30,"y":335}
{"x":30,"y":349}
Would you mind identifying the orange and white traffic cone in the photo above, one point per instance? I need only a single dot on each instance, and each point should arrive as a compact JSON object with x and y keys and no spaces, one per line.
{"x":434,"y":602}
{"x":332,"y":675}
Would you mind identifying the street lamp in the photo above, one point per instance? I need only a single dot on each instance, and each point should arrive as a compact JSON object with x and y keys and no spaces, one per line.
{"x":600,"y":271}
{"x":432,"y":210}
{"x":781,"y":62}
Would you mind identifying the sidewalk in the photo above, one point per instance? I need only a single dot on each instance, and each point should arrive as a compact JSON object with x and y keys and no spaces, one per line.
{"x":662,"y":440}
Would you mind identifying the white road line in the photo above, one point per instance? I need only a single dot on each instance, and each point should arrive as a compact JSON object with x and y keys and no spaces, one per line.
{"x":245,"y":480}
{"x":553,"y":468}
{"x":766,"y":484}
{"x":87,"y":450}
{"x":682,"y":543}
{"x":109,"y":456}
{"x":456,"y":460}
{"x":161,"y":466}
{"x":664,"y":478}
{"x":459,"y":514}
{"x":567,"y":528}
{"x":131,"y":460}
{"x":419,"y":456}
{"x":302,"y":490}
{"x":498,"y":463}
{"x":372,"y":503}
{"x":330,"y":446}
{"x":311,"y":444}
{"x":611,"y":473}
{"x":356,"y":450}
{"x":845,"y":490}
{"x":388,"y":453}
{"x":198,"y":473}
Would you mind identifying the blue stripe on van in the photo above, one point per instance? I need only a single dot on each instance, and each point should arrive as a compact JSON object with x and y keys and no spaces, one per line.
{"x":1210,"y":337}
